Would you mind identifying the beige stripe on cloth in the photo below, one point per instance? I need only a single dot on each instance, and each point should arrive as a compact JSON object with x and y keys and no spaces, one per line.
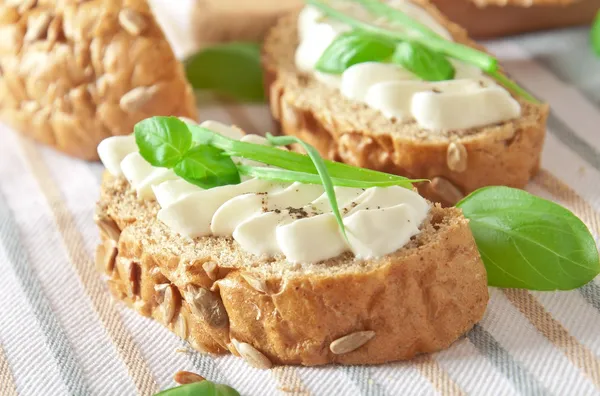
{"x":439,"y":378}
{"x":73,"y":240}
{"x":7,"y":381}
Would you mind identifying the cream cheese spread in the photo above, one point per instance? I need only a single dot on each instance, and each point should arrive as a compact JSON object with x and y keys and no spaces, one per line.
{"x":270,"y":218}
{"x":469,"y":100}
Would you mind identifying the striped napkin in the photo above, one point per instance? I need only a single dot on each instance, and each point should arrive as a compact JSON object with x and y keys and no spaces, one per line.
{"x":61,"y":334}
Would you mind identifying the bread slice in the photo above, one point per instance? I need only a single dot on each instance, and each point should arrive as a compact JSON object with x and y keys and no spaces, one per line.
{"x":417,"y":300}
{"x":341,"y":129}
{"x":75,"y":74}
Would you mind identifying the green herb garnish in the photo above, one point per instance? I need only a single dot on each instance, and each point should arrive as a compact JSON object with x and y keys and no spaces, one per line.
{"x":286,"y":159}
{"x":203,"y":388}
{"x":354,"y":47}
{"x":321,"y":169}
{"x":284,"y":175}
{"x":167,"y":142}
{"x":595,"y":34}
{"x":232,"y":68}
{"x":430,"y":40}
{"x":207,"y":167}
{"x":513,"y":86}
{"x":427,"y":64}
{"x":162,"y":141}
{"x":529,"y":242}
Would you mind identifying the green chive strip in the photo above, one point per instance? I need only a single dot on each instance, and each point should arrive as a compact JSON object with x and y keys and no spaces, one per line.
{"x":286,"y":159}
{"x":284,"y":175}
{"x":514,"y":87}
{"x":455,"y":50}
{"x":321,"y":168}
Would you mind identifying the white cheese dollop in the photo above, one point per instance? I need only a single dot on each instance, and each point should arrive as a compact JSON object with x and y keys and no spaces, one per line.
{"x":269,"y":218}
{"x":470,"y":100}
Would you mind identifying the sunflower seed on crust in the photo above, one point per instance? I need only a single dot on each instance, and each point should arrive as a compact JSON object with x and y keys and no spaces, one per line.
{"x":255,"y":282}
{"x":161,"y":287}
{"x":351,"y":342}
{"x":446,"y":190}
{"x":138,"y":98}
{"x":456,"y":157}
{"x":169,"y":305}
{"x":110,"y":255}
{"x":37,"y":26}
{"x":187,"y":377}
{"x":207,"y":306}
{"x":132,"y":21}
{"x":211,"y":268}
{"x":180,"y":327}
{"x":252,"y":355}
{"x":108,"y":227}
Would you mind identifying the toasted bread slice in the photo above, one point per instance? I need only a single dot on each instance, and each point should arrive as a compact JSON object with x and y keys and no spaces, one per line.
{"x":507,"y":153}
{"x":75,"y":74}
{"x":207,"y":290}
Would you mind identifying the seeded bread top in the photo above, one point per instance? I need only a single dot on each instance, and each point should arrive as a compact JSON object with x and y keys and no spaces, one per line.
{"x":279,"y":50}
{"x":122,"y":205}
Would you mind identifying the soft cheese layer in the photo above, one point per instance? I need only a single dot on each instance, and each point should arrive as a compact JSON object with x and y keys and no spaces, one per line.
{"x":470,"y":100}
{"x":269,"y":218}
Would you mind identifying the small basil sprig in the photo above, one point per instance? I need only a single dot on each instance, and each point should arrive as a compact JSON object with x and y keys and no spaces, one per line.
{"x":595,"y":34}
{"x":529,"y":242}
{"x":233,"y":69}
{"x":321,"y":169}
{"x":203,"y":388}
{"x":427,"y":64}
{"x":166,"y":142}
{"x":350,"y":48}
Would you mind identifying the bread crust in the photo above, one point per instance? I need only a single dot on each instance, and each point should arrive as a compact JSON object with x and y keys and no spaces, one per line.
{"x":74,"y":73}
{"x":504,"y":154}
{"x":418,"y":300}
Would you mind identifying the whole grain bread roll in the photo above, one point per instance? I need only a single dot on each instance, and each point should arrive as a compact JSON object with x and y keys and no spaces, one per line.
{"x":457,"y":162}
{"x":74,"y":73}
{"x":343,"y":310}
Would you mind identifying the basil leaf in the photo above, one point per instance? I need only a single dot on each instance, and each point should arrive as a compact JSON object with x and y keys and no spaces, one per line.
{"x":207,"y":167}
{"x":162,"y":141}
{"x":233,"y":69}
{"x":595,"y":34}
{"x":425,"y":63}
{"x":529,"y":242}
{"x":203,"y":388}
{"x":354,"y":47}
{"x":321,"y":169}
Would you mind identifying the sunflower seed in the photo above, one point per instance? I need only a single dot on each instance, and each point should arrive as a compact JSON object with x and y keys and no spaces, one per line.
{"x":187,"y":377}
{"x":110,"y":256}
{"x":211,"y":268}
{"x":252,"y":355}
{"x":161,"y":287}
{"x":180,"y":327}
{"x":137,"y":98}
{"x":37,"y":26}
{"x":132,"y":21}
{"x":207,"y":306}
{"x":446,"y":190}
{"x":351,"y":342}
{"x":129,"y":274}
{"x":108,"y":227}
{"x":456,"y":157}
{"x":169,"y":305}
{"x":255,"y":282}
{"x":26,"y":5}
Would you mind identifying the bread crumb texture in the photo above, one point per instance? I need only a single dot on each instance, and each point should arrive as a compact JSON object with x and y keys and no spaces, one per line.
{"x":74,"y":73}
{"x":219,"y":298}
{"x":506,"y":153}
